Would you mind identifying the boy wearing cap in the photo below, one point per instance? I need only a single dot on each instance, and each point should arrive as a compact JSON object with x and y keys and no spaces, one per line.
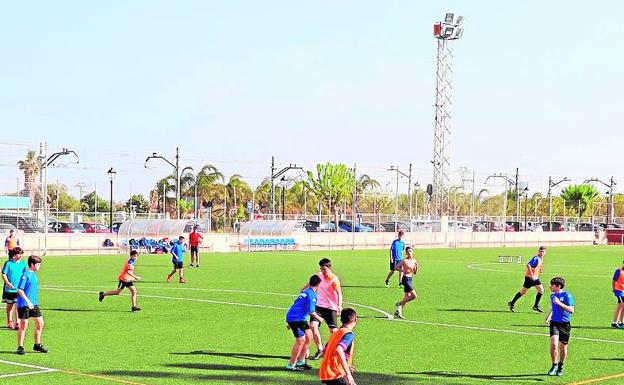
{"x":12,"y":272}
{"x":28,"y":306}
{"x":558,"y":320}
{"x":126,"y":279}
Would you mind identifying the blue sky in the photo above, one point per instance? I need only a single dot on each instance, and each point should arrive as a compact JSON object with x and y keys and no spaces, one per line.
{"x":537,"y":86}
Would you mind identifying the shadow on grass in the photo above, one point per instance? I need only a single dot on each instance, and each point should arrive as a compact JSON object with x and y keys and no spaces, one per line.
{"x":607,"y":359}
{"x":492,"y":377}
{"x":82,"y":310}
{"x":364,"y":286}
{"x":242,"y":356}
{"x":573,"y":327}
{"x":475,"y":310}
{"x":301,"y":378}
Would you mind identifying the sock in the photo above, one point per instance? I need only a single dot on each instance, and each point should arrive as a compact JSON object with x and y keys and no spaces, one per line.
{"x":560,"y":367}
{"x":299,"y":363}
{"x":515,"y":298}
{"x":538,"y":297}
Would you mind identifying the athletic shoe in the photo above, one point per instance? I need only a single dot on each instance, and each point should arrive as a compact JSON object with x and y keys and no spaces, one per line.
{"x":101,"y":297}
{"x":387,"y":284}
{"x":168,"y":278}
{"x":511,"y":307}
{"x":16,"y":326}
{"x":135,"y":308}
{"x":10,"y":326}
{"x":182,"y":280}
{"x":293,"y":368}
{"x":400,"y":286}
{"x":615,"y":325}
{"x":317,"y":355}
{"x":20,"y":350}
{"x":538,"y":309}
{"x":552,"y":371}
{"x":191,"y":265}
{"x":398,"y":314}
{"x":197,"y":266}
{"x":40,"y":348}
{"x":620,"y":326}
{"x":559,"y":372}
{"x":303,"y":366}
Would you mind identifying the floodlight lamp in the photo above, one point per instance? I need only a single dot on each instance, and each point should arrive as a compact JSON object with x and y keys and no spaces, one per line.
{"x":448,"y":32}
{"x":111,"y":174}
{"x":458,"y":33}
{"x":448,"y":18}
{"x":460,"y":19}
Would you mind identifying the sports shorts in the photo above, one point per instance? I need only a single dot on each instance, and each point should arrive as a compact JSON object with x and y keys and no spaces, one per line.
{"x":298,"y":328}
{"x":408,"y":285}
{"x":529,"y":283}
{"x":8,"y":297}
{"x":26,"y":313}
{"x":124,"y":284}
{"x":561,"y":329}
{"x":328,"y":315}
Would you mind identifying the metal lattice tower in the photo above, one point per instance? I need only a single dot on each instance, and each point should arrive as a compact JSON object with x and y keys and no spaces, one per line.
{"x":444,"y":32}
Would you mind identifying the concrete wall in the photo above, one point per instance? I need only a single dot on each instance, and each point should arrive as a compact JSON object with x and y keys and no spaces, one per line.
{"x":77,"y":244}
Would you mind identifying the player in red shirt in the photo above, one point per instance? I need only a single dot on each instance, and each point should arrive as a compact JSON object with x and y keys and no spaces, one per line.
{"x":195,"y":238}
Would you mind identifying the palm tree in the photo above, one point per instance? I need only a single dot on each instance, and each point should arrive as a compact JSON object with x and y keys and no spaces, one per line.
{"x":31,"y":166}
{"x":238,"y":191}
{"x":580,"y":197}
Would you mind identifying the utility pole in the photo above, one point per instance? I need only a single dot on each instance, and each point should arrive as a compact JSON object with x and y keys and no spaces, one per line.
{"x":409,"y":189}
{"x":275,"y":175}
{"x":552,"y":184}
{"x":176,"y":167}
{"x":612,"y":183}
{"x":517,"y":195}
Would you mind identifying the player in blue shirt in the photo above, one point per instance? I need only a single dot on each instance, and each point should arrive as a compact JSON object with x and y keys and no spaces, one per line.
{"x":12,"y":272}
{"x":177,"y":258}
{"x":297,"y":319}
{"x":28,"y":305}
{"x":618,"y":290}
{"x":396,"y":256}
{"x":558,"y":320}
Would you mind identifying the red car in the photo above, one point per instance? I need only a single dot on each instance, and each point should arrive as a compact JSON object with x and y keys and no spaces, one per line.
{"x":94,"y":228}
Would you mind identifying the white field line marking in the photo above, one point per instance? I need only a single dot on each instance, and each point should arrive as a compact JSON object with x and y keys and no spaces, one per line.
{"x":42,"y":369}
{"x":388,"y":316}
{"x":475,"y":266}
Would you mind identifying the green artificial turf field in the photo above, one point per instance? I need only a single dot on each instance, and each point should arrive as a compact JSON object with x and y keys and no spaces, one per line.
{"x":226,"y":325}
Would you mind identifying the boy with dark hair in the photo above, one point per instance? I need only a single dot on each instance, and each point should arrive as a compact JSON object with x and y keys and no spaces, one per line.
{"x":12,"y":272}
{"x":337,"y":366}
{"x":329,"y":303}
{"x":408,"y":267}
{"x":28,"y":305}
{"x":531,"y":278}
{"x":304,"y":306}
{"x":396,"y":256}
{"x":618,"y":290}
{"x":177,"y":258}
{"x":11,"y":242}
{"x":558,"y":320}
{"x":195,"y":238}
{"x":126,"y":279}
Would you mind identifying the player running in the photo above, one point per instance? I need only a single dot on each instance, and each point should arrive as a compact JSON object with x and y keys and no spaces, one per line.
{"x":396,"y":256}
{"x":409,"y":268}
{"x":329,"y":303}
{"x":177,"y":258}
{"x":12,"y":272}
{"x":531,"y":278}
{"x":558,"y":320}
{"x":337,"y":366}
{"x":28,"y":306}
{"x":195,"y":239}
{"x":126,"y":279}
{"x":297,"y":319}
{"x":618,"y":291}
{"x":11,"y":242}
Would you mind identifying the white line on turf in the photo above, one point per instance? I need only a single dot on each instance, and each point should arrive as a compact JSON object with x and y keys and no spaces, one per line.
{"x":42,"y":369}
{"x":388,"y":316}
{"x":476,"y":266}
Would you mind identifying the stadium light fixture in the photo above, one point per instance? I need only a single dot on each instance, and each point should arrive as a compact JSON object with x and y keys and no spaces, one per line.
{"x":111,"y":176}
{"x":448,"y":18}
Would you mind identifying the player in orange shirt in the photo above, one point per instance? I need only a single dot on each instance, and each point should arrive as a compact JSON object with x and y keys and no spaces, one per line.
{"x":126,"y":279}
{"x":195,"y":238}
{"x":337,"y":365}
{"x":531,"y":279}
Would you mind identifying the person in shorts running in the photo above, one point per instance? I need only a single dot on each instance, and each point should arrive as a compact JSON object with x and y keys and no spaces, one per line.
{"x":126,"y":280}
{"x":328,"y":305}
{"x":195,"y":239}
{"x":409,"y":268}
{"x":12,"y":272}
{"x":558,"y":320}
{"x":177,"y":258}
{"x":297,"y":319}
{"x":531,"y":279}
{"x":396,"y":256}
{"x":11,"y":242}
{"x":28,"y":306}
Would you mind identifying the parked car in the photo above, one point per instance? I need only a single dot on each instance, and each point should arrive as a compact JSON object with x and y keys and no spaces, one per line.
{"x":65,"y":227}
{"x":604,"y":226}
{"x":515,"y":224}
{"x":376,"y":228}
{"x":25,"y":223}
{"x":389,"y":226}
{"x":6,"y":227}
{"x":556,"y":226}
{"x":586,"y":226}
{"x":312,"y":226}
{"x":459,"y":226}
{"x":359,"y":228}
{"x":94,"y":228}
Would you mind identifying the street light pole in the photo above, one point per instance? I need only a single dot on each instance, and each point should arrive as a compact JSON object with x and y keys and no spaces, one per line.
{"x":111,"y":176}
{"x":409,"y":189}
{"x":550,"y":186}
{"x":610,"y":185}
{"x":176,"y":167}
{"x":275,"y":175}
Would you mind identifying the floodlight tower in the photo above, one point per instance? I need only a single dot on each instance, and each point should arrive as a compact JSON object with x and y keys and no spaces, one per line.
{"x":444,"y":32}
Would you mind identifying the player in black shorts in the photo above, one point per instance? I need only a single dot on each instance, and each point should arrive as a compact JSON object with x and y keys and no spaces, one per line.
{"x":126,"y":280}
{"x":409,"y":267}
{"x":558,"y":320}
{"x":531,"y":279}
